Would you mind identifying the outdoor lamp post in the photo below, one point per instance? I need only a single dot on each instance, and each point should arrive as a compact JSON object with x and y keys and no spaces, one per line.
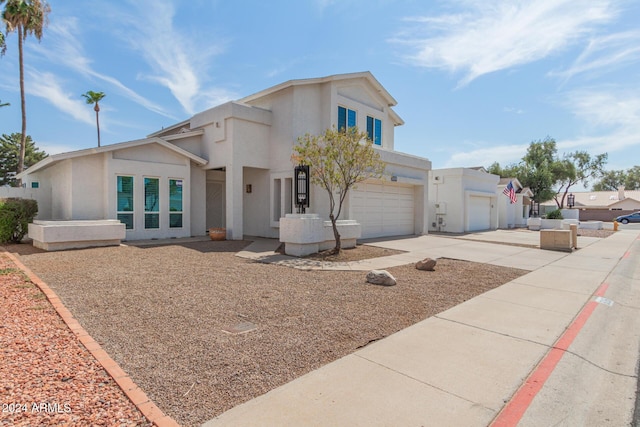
{"x":301,"y":176}
{"x":571,"y":200}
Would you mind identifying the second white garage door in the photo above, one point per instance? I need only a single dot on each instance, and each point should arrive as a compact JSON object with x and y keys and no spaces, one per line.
{"x":383,"y":209}
{"x":479,"y":213}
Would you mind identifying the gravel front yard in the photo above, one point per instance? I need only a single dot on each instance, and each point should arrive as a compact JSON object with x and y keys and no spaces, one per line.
{"x":161,"y":312}
{"x":47,"y":378}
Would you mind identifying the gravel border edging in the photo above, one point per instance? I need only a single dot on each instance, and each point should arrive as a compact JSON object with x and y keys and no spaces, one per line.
{"x":137,"y":396}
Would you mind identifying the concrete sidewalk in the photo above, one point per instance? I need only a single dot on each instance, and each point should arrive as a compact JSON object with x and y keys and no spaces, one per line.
{"x":461,"y":367}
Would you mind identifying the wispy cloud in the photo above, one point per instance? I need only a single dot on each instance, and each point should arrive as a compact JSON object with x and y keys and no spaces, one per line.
{"x":610,"y":118}
{"x":490,"y":36}
{"x":179,"y":63}
{"x":48,"y":87}
{"x":67,"y":50}
{"x":503,"y":154}
{"x":513,"y":110}
{"x":605,"y":53}
{"x":284,"y":67}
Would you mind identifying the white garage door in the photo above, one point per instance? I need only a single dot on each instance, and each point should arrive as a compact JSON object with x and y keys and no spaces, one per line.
{"x":479,"y":213}
{"x":383,"y":209}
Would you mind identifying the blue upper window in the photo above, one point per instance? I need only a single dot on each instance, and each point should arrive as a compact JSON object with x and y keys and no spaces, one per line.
{"x":374,"y":130}
{"x":346,"y":118}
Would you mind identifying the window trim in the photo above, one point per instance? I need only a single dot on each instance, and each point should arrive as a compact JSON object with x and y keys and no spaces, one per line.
{"x":181,"y":211}
{"x":350,"y":117}
{"x":147,"y":212}
{"x":131,"y":212}
{"x":374,"y":130}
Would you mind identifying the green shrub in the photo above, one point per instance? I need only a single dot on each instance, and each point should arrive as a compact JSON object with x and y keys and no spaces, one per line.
{"x":557,"y":214}
{"x":15,"y":216}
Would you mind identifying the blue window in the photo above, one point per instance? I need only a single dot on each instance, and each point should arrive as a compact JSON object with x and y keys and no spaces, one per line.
{"x":125,"y":201}
{"x":346,"y":118}
{"x":175,"y":203}
{"x":151,"y":203}
{"x":374,"y":130}
{"x":35,"y":184}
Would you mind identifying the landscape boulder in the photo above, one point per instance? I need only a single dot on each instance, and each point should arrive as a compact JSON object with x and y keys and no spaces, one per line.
{"x":426,"y":264}
{"x":381,"y":277}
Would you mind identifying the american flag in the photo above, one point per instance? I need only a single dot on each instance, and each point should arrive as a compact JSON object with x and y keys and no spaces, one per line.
{"x":510,"y":192}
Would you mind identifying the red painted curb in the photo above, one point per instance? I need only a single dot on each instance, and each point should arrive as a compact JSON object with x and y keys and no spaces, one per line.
{"x":135,"y":394}
{"x":520,"y":402}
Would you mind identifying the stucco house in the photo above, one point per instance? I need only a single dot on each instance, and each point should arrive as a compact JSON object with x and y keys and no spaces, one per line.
{"x":229,"y":166}
{"x":620,"y":199}
{"x":601,"y":205}
{"x":462,"y":200}
{"x":513,"y":215}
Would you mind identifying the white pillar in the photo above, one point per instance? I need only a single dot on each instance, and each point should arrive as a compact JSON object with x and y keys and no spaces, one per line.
{"x":234,"y":197}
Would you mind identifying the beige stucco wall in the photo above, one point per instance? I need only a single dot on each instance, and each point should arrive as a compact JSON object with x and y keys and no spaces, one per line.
{"x":313,"y":108}
{"x":198,"y":199}
{"x":627,"y":204}
{"x":88,"y":197}
{"x":167,"y":165}
{"x":510,"y":215}
{"x":251,"y":142}
{"x":42,"y":195}
{"x":59,"y":176}
{"x":256,"y":203}
{"x":451,"y":188}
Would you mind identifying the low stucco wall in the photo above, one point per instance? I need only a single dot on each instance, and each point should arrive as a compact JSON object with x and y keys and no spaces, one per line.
{"x":537,"y":224}
{"x":61,"y":235}
{"x":40,"y":195}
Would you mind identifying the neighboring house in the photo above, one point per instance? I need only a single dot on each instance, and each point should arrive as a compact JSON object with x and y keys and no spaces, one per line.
{"x":513,"y":215}
{"x":601,"y":205}
{"x":462,"y":200}
{"x":230,"y":166}
{"x":620,"y":199}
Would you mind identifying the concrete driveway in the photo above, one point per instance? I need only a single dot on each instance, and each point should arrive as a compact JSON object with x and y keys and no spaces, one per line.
{"x":507,"y":248}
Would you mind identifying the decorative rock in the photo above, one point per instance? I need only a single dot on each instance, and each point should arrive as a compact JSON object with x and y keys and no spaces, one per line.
{"x":426,"y":264}
{"x":381,"y":277}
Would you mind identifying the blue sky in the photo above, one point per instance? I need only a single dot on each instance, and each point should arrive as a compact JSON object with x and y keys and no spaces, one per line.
{"x":476,"y":81}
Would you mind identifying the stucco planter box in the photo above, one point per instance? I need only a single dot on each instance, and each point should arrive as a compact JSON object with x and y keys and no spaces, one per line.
{"x":566,"y":223}
{"x":301,"y":228}
{"x":61,"y":235}
{"x":306,"y":234}
{"x":534,"y":223}
{"x":349,"y":229}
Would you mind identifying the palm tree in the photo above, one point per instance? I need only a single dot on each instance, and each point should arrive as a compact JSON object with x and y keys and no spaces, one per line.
{"x":25,"y":17}
{"x":6,"y":104}
{"x":93,"y":98}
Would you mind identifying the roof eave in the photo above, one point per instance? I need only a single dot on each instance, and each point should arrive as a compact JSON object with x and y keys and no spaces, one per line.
{"x":390,"y":100}
{"x":107,"y":148}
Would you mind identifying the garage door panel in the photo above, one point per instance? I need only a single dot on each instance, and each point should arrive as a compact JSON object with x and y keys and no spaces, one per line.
{"x":479,"y":213}
{"x":383,"y":209}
